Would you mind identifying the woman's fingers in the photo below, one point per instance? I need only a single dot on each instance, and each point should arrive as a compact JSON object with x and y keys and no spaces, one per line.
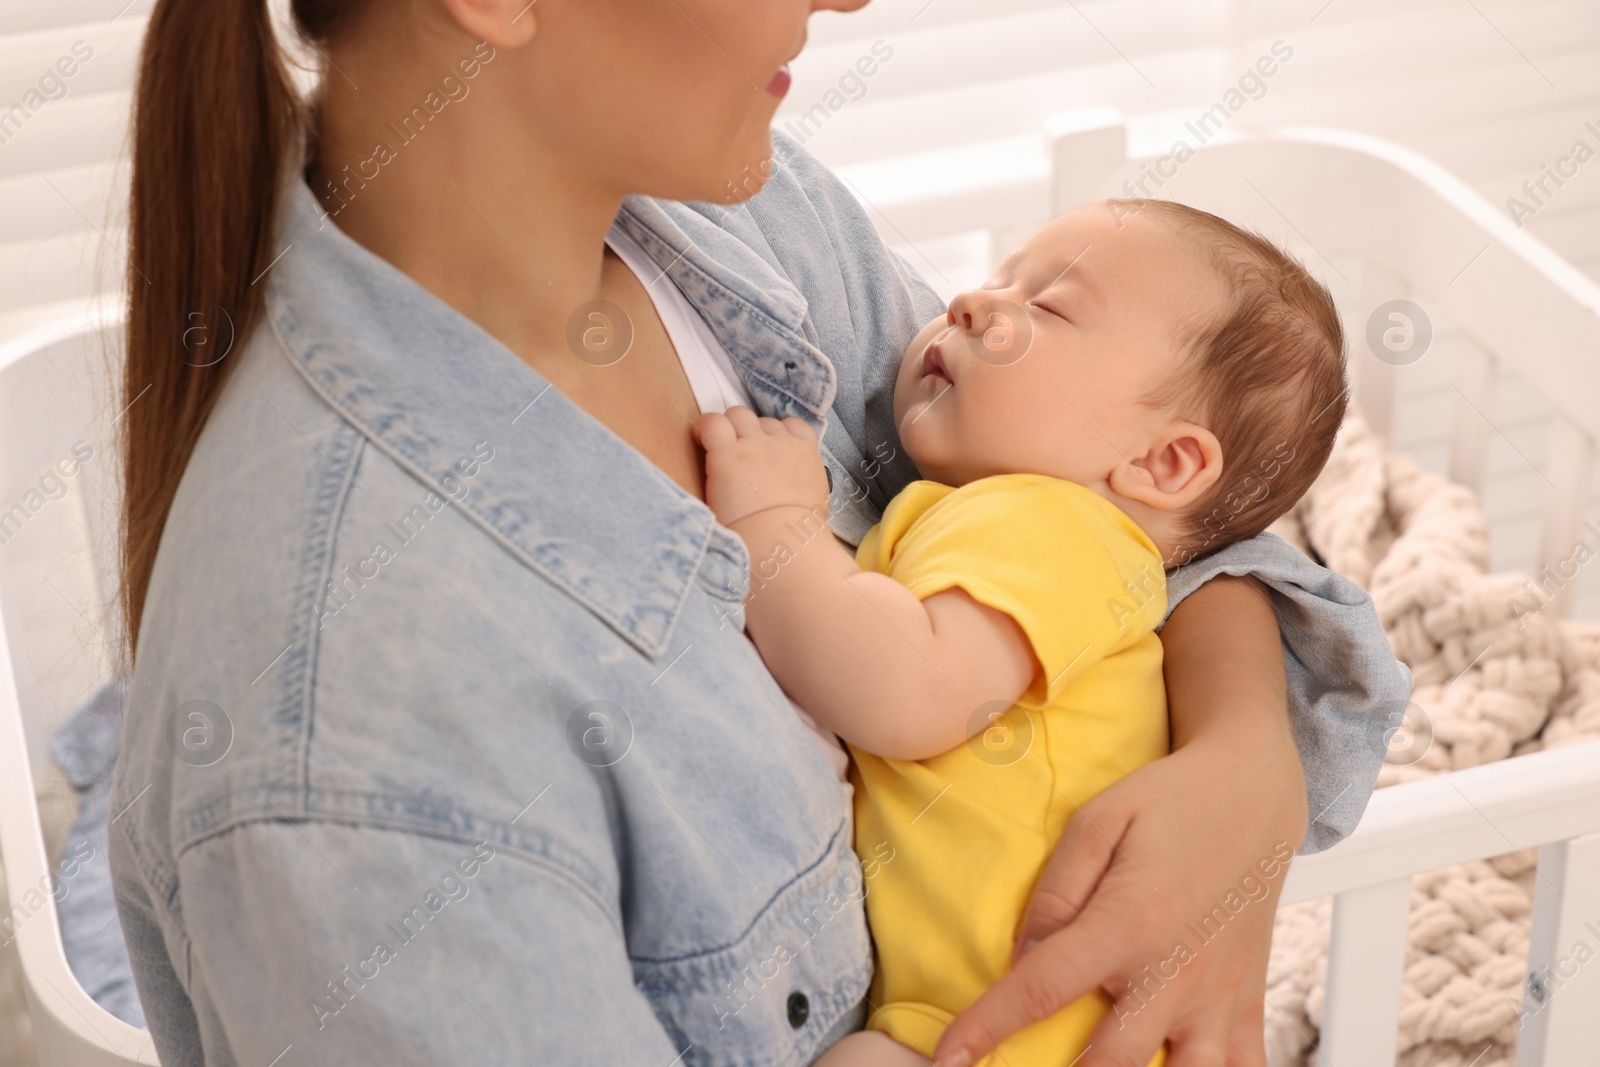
{"x":1130,"y":1036}
{"x":1060,"y":969}
{"x":1206,"y":1046}
{"x":1118,"y":907}
{"x":1247,"y":1045}
{"x":1080,"y":859}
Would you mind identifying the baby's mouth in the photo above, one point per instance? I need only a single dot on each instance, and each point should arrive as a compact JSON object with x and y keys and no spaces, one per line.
{"x":933,"y":364}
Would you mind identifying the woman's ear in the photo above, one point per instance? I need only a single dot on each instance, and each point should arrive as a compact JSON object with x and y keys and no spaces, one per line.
{"x":1183,"y":462}
{"x":502,"y":23}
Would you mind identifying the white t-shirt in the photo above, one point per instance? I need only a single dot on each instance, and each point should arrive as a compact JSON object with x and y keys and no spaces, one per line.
{"x":716,"y":385}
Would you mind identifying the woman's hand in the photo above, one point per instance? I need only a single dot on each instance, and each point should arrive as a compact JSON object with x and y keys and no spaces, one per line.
{"x":1162,"y":890}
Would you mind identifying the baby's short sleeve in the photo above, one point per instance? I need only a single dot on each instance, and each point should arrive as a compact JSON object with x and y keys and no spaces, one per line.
{"x":1075,"y":572}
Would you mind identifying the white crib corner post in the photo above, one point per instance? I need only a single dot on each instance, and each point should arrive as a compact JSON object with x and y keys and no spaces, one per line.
{"x":1571,"y":452}
{"x":1084,"y":147}
{"x":1561,"y":998}
{"x":1366,"y":963}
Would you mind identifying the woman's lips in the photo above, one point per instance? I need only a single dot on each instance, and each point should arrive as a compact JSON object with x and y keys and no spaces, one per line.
{"x":933,"y":364}
{"x":779,"y":85}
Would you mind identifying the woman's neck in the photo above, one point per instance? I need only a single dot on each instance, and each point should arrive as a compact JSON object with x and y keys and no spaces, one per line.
{"x":514,"y":240}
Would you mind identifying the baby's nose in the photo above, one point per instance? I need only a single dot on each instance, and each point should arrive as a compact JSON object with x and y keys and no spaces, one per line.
{"x":961,"y":312}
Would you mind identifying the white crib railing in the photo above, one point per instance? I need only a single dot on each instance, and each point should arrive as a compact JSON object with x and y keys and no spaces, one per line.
{"x":1416,"y":229}
{"x":1547,"y":800}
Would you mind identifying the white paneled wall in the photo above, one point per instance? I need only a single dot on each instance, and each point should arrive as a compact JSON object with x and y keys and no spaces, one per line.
{"x":66,"y":68}
{"x":1494,"y":90}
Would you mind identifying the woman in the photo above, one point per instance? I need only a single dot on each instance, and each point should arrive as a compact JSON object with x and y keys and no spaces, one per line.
{"x":445,"y":741}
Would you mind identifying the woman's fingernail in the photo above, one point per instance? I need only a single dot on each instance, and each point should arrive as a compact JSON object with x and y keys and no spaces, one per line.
{"x":1026,"y":947}
{"x":959,"y":1058}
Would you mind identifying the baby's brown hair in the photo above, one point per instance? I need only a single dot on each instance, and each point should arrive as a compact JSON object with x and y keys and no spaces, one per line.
{"x":1266,"y":376}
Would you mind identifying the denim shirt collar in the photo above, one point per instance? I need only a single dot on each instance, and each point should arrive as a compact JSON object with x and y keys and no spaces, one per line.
{"x":755,"y":311}
{"x":428,"y":387}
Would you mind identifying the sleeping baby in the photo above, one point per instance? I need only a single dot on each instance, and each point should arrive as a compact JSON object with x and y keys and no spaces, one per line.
{"x":1141,"y":384}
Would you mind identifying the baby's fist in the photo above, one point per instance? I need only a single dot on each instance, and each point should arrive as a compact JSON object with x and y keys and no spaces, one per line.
{"x":754,"y":463}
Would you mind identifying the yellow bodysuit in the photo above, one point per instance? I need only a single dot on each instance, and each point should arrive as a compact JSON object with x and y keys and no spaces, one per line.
{"x":970,"y":830}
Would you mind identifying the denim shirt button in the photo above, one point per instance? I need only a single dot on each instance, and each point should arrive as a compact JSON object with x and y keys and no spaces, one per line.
{"x":799,"y":1010}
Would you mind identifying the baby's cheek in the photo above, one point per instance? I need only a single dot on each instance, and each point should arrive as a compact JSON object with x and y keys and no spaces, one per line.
{"x":905,"y":388}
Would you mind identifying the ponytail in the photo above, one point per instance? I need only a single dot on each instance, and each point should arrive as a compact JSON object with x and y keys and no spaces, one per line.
{"x":213,"y":117}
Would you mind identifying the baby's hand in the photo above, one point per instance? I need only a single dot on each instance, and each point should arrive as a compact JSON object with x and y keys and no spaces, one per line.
{"x":757,"y":463}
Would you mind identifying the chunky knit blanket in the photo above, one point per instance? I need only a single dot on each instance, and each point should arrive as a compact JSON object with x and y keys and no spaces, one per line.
{"x":1491,"y":682}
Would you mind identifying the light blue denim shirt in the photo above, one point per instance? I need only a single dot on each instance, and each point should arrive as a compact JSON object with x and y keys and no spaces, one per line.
{"x":446,"y":744}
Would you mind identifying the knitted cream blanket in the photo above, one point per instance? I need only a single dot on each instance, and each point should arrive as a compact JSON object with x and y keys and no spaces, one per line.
{"x":1493,"y":680}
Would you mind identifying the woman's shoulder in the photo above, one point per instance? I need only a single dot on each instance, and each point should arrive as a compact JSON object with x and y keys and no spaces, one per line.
{"x":320,"y":620}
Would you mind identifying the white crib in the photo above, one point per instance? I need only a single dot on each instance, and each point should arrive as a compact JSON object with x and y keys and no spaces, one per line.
{"x":1413,"y":228}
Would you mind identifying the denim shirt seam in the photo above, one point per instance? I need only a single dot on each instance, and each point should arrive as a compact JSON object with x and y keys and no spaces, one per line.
{"x":828,"y":849}
{"x":553,"y":855}
{"x":158,"y":879}
{"x":308,"y":662}
{"x":408,"y":463}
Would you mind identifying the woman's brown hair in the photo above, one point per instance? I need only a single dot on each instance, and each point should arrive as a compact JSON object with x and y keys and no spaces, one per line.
{"x":214,"y":115}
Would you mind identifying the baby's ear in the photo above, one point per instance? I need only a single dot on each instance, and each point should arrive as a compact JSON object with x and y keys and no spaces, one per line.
{"x":1183,"y":463}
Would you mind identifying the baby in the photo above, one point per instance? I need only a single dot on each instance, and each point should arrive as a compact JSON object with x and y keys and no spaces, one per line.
{"x":1141,"y":384}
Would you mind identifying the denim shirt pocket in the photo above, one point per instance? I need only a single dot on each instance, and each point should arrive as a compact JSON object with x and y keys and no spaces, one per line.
{"x":796,"y":976}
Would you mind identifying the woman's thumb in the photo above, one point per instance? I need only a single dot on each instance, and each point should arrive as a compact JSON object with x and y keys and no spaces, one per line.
{"x":1081,"y":858}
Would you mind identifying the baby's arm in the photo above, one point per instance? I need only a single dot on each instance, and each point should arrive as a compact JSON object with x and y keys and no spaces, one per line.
{"x":870,"y":1048}
{"x":894,"y":675}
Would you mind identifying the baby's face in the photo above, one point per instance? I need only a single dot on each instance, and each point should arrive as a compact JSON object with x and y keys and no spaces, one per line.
{"x":1040,"y":370}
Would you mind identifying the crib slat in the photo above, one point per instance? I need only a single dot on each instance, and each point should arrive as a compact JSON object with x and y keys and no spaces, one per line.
{"x":1559,"y":1021}
{"x":1471,"y":406}
{"x":1366,"y":956}
{"x":1571,"y":452}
